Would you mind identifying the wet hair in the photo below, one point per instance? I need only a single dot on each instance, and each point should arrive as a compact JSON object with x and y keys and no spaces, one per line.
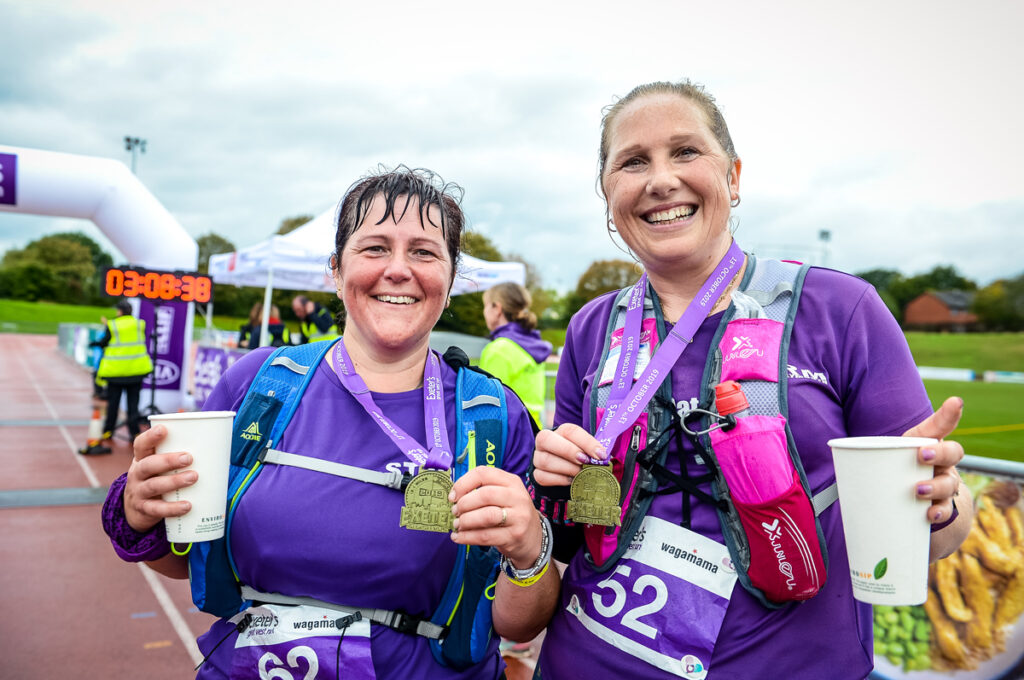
{"x":124,"y":307}
{"x":399,"y":188}
{"x":686,"y":89}
{"x":515,"y":302}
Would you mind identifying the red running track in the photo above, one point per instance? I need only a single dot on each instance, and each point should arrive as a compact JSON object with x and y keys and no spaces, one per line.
{"x":70,"y":608}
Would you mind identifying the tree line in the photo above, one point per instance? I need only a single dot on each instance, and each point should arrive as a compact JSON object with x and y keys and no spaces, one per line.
{"x":67,"y":267}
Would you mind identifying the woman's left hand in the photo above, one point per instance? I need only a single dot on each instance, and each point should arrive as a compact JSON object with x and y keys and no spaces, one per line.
{"x":492,"y":507}
{"x":945,"y":482}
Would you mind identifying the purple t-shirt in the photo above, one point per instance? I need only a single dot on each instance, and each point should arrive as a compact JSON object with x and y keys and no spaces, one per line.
{"x":850,"y":373}
{"x":305,"y":533}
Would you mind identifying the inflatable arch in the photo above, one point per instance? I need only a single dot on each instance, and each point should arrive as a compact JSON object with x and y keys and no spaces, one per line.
{"x":105,"y":191}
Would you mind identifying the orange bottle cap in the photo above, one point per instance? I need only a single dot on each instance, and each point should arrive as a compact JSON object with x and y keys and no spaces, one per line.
{"x":730,"y":398}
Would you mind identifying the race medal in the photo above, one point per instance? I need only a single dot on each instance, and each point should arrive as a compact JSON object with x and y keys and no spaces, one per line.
{"x":594,"y":497}
{"x":426,"y":502}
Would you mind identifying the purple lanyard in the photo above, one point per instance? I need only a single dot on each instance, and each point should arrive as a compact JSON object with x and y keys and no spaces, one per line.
{"x":439,"y":456}
{"x":625,"y":400}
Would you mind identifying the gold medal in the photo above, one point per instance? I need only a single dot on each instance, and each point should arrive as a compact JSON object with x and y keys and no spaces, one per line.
{"x":426,"y":502}
{"x":594,"y":497}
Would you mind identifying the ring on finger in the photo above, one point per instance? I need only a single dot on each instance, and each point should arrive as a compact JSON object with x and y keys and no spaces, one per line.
{"x":504,"y":517}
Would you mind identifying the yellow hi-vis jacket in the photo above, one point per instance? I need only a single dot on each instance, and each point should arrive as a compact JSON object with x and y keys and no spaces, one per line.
{"x":126,"y":354}
{"x":506,"y":360}
{"x":313,"y":333}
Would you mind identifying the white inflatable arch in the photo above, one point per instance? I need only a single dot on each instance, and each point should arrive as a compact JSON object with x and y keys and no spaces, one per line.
{"x":105,"y":191}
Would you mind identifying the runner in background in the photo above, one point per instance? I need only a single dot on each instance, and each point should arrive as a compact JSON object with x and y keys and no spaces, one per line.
{"x":516,"y":353}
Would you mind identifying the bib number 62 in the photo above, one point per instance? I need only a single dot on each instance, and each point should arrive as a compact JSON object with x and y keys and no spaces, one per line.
{"x":281,"y":673}
{"x":631,"y":619}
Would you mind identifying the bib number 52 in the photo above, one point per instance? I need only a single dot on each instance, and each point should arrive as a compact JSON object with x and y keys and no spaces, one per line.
{"x":631,"y":618}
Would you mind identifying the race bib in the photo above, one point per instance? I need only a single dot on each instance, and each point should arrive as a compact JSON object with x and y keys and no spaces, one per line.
{"x":301,"y":643}
{"x":664,"y":602}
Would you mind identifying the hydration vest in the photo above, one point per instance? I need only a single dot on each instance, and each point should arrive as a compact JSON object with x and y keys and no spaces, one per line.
{"x":776,"y":543}
{"x":460,"y":629}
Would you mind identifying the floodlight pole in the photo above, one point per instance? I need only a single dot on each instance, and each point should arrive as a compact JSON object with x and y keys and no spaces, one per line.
{"x":824,"y":236}
{"x":134,"y":145}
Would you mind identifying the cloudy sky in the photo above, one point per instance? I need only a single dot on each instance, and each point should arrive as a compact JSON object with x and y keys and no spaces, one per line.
{"x":895,"y":126}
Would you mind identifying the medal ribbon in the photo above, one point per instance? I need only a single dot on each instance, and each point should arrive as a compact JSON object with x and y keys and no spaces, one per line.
{"x":627,"y":400}
{"x":439,"y":454}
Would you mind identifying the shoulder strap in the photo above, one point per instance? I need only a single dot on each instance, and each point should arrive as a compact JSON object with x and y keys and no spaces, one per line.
{"x":464,"y":608}
{"x":284,"y":376}
{"x":771,"y":289}
{"x":481,"y":421}
{"x":638,"y":484}
{"x":266,"y":410}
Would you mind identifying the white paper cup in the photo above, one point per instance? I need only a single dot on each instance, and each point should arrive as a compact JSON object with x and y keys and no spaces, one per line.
{"x":207,"y":436}
{"x":886,"y":525}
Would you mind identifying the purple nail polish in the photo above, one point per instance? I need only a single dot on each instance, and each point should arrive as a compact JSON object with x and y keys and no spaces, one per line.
{"x":938,"y":517}
{"x":928,"y":454}
{"x":924,"y":489}
{"x":582,"y":457}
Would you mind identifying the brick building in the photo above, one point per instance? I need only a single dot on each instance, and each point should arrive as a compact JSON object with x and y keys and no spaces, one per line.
{"x":947,"y":310}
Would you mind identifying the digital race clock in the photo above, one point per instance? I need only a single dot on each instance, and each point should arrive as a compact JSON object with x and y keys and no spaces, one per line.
{"x":157,"y":285}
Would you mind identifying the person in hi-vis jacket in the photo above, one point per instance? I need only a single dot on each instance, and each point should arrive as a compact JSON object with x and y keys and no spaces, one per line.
{"x":516,"y":353}
{"x":125,"y":363}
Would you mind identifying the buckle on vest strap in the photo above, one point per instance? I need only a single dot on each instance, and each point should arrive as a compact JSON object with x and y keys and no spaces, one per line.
{"x":403,"y":623}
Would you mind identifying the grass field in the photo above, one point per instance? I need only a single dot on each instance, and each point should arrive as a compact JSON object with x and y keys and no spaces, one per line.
{"x":993,"y":420}
{"x":17,"y":316}
{"x":977,"y":351}
{"x":992,"y":426}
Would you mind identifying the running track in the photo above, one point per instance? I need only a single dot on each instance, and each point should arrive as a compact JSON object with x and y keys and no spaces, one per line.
{"x":70,"y":607}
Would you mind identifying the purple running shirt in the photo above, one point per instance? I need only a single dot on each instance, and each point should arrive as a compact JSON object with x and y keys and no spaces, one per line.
{"x":850,"y":373}
{"x":305,"y":533}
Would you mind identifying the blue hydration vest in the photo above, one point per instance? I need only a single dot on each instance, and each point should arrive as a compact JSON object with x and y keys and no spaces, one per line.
{"x":460,"y":629}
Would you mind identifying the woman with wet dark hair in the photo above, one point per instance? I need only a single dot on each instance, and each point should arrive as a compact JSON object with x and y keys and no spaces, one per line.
{"x":312,"y":536}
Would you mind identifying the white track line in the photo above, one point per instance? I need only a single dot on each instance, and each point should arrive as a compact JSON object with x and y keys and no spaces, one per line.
{"x":159,"y":592}
{"x":175,"y":617}
{"x":89,"y":475}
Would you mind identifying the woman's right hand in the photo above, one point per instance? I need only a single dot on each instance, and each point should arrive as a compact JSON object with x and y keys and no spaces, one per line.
{"x":561,"y":453}
{"x":144,"y":506}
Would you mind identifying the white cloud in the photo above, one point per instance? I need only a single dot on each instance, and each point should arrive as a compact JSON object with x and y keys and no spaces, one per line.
{"x":891,"y":125}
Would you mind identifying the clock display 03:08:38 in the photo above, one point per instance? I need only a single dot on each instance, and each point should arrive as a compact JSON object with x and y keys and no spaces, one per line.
{"x":156,"y":285}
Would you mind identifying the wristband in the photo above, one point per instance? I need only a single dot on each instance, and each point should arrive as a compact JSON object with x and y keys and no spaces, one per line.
{"x":129,"y":544}
{"x":526,"y":577}
{"x":952,"y":518}
{"x":526,"y":583}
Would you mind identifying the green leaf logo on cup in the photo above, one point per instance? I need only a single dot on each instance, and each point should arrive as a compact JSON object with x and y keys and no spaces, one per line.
{"x":881,"y":567}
